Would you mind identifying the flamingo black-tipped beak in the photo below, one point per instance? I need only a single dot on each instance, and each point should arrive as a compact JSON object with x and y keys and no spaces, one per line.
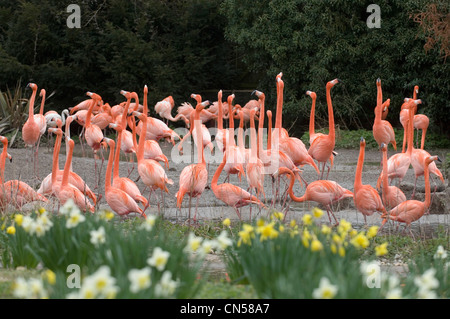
{"x":439,"y":159}
{"x":362,"y":139}
{"x":339,"y":81}
{"x":378,"y":80}
{"x":253,"y":93}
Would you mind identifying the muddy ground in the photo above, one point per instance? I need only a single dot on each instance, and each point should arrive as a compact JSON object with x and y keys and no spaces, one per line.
{"x":210,"y":208}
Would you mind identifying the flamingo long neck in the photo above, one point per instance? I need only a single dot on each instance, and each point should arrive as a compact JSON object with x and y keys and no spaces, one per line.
{"x":278,"y":120}
{"x":220,"y":115}
{"x":359,"y":167}
{"x":331,"y":132}
{"x":65,"y":179}
{"x":416,"y":89}
{"x":199,"y":136}
{"x":3,"y":160}
{"x":253,"y":138}
{"x":109,"y":167}
{"x":132,"y":123}
{"x":215,"y":178}
{"x":284,"y":170}
{"x":231,"y":124}
{"x":117,"y":155}
{"x":31,"y":106}
{"x":67,"y":133}
{"x":261,"y":124}
{"x":410,"y":129}
{"x":55,"y":166}
{"x":426,"y":175}
{"x":385,"y":174}
{"x":379,"y":108}
{"x":269,"y":133}
{"x":41,"y":110}
{"x":89,"y":113}
{"x":140,"y":152}
{"x":241,"y":132}
{"x":311,"y":117}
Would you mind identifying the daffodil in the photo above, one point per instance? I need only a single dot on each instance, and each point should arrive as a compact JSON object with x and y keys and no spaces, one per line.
{"x":325,"y":290}
{"x":42,"y":210}
{"x":27,"y":224}
{"x":11,"y":230}
{"x":260,"y":222}
{"x":207,"y":246}
{"x":18,"y":218}
{"x":159,"y":258}
{"x":427,"y":281}
{"x":440,"y":253}
{"x":316,"y":245}
{"x":372,"y":232}
{"x":246,"y":235}
{"x":293,"y":223}
{"x":45,"y":220}
{"x":360,"y":241}
{"x":166,"y":287}
{"x":281,"y":228}
{"x":149,"y":223}
{"x":267,"y":231}
{"x":426,"y":294}
{"x":99,"y":285}
{"x":307,"y":219}
{"x":277,"y":215}
{"x":344,"y":226}
{"x":395,"y":293}
{"x":333,"y":248}
{"x":20,"y":288}
{"x":317,"y":212}
{"x":140,"y":279}
{"x":341,"y":251}
{"x":38,"y":228}
{"x":98,"y":236}
{"x":223,"y":241}
{"x":75,"y":218}
{"x":381,"y":250}
{"x":193,"y":243}
{"x":69,"y":207}
{"x":105,"y":214}
{"x":50,"y":276}
{"x":337,"y":239}
{"x":226,"y":222}
{"x":325,"y":230}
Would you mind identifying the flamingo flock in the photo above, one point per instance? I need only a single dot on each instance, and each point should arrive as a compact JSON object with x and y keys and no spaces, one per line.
{"x":284,"y":156}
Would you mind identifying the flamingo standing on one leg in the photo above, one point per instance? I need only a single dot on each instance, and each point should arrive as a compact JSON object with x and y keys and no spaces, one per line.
{"x":382,"y":129}
{"x":325,"y":192}
{"x":366,"y":198}
{"x":230,"y":194}
{"x":392,"y":195}
{"x":411,"y":210}
{"x":15,"y":192}
{"x":119,"y":201}
{"x":321,"y":149}
{"x":194,"y":177}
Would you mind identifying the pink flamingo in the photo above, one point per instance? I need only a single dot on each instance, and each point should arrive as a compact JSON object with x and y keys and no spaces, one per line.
{"x":152,"y":174}
{"x":382,"y":129}
{"x":194,"y":177}
{"x":404,"y":117}
{"x":119,"y":200}
{"x":392,"y":195}
{"x":366,"y":198}
{"x":412,"y":210}
{"x":164,"y":109}
{"x":230,"y":194}
{"x":325,"y":192}
{"x":222,"y":134}
{"x":68,"y":191}
{"x":15,"y":192}
{"x":84,"y":105}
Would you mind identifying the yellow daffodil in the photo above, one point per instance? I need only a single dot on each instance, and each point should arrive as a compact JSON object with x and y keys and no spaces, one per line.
{"x":317,"y":212}
{"x":352,"y":233}
{"x":326,"y":230}
{"x":341,"y":251}
{"x":226,"y":222}
{"x":267,"y":231}
{"x":381,"y":250}
{"x":50,"y":276}
{"x":293,"y":223}
{"x":260,"y":222}
{"x":337,"y":239}
{"x":372,"y":232}
{"x":307,"y":219}
{"x":277,"y":215}
{"x":316,"y":245}
{"x":333,"y":248}
{"x":360,"y":241}
{"x":281,"y":228}
{"x":18,"y":218}
{"x":344,"y":226}
{"x":325,"y":290}
{"x":11,"y":230}
{"x":41,"y":210}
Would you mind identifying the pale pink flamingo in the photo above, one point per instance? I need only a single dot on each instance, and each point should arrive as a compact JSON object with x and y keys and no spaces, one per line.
{"x":84,"y":105}
{"x":93,"y":134}
{"x":382,"y":129}
{"x":194,"y":177}
{"x":421,"y":121}
{"x":151,"y":173}
{"x":366,"y":198}
{"x":230,"y":194}
{"x":221,"y":137}
{"x":118,"y":200}
{"x":186,"y":110}
{"x":164,"y":109}
{"x":392,"y":195}
{"x":15,"y":192}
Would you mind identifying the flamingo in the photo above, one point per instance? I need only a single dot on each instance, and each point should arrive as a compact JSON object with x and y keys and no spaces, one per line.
{"x":412,"y":210}
{"x":93,"y":134}
{"x":51,"y":184}
{"x":31,"y":130}
{"x":325,"y":192}
{"x":385,"y":107}
{"x":194,"y":177}
{"x":119,"y":200}
{"x":52,"y":116}
{"x":164,"y":108}
{"x":186,"y":110}
{"x":321,"y":149}
{"x":230,"y":194}
{"x":279,"y":131}
{"x":152,"y":174}
{"x":261,"y":100}
{"x":103,"y":118}
{"x":312,"y":133}
{"x":382,"y":129}
{"x":366,"y":198}
{"x":15,"y":192}
{"x":404,"y":117}
{"x":392,"y":195}
{"x":84,"y":105}
{"x":222,"y":134}
{"x":254,"y":167}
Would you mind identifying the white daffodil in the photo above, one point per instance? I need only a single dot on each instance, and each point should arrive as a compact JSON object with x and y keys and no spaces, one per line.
{"x":441,"y":253}
{"x":45,"y":221}
{"x":148,"y":223}
{"x":38,"y":228}
{"x":28,"y":224}
{"x":100,"y":284}
{"x":98,"y":236}
{"x":207,"y":246}
{"x":140,"y":279}
{"x":223,"y":241}
{"x":193,"y":243}
{"x":427,"y":281}
{"x":166,"y":286}
{"x":325,"y":290}
{"x":395,"y":293}
{"x":159,"y":258}
{"x":75,"y":217}
{"x":20,"y":288}
{"x":426,"y":294}
{"x":69,"y":207}
{"x":36,"y":287}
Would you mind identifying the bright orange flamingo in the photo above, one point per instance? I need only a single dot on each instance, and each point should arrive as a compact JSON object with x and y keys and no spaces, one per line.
{"x":194,"y":177}
{"x":411,"y":210}
{"x":119,"y":201}
{"x":68,"y":191}
{"x":31,"y":129}
{"x":51,"y":184}
{"x":325,"y":192}
{"x":151,"y":173}
{"x":366,"y":198}
{"x":321,"y":149}
{"x":230,"y":194}
{"x":382,"y":129}
{"x":84,"y":105}
{"x":312,"y":133}
{"x":15,"y":192}
{"x":392,"y":195}
{"x":255,"y":167}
